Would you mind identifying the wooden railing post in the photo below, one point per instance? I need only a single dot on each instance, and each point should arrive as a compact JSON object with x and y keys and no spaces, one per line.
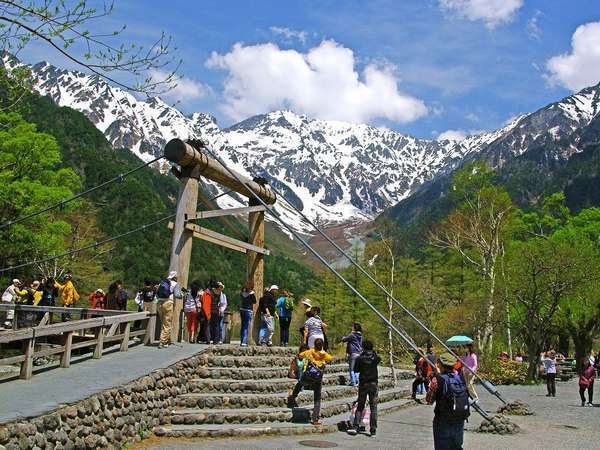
{"x":65,"y":360}
{"x":15,"y":323}
{"x":150,"y":324}
{"x":27,"y":365}
{"x":125,"y":341}
{"x":100,"y":331}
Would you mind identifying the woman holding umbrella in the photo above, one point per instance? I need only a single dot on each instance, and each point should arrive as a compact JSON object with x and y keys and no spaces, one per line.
{"x":469,"y":359}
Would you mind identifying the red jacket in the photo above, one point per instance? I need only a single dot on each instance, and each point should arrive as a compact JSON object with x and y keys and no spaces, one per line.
{"x":97,"y":300}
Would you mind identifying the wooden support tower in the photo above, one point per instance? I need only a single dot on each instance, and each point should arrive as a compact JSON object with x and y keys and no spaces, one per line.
{"x":193,"y":164}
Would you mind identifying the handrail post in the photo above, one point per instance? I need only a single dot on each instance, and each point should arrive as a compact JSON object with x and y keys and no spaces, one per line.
{"x":27,"y":364}
{"x":150,"y":324}
{"x":65,"y":360}
{"x":99,"y":342}
{"x":125,"y":341}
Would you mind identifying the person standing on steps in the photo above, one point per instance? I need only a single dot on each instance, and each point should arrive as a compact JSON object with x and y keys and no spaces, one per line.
{"x":222,"y":308}
{"x":314,"y":327}
{"x":247,"y":302}
{"x":470,"y":361}
{"x":586,"y":381}
{"x":367,"y":367}
{"x":353,"y":342}
{"x":549,"y":361}
{"x":314,"y":361}
{"x":168,"y":290}
{"x":268,"y":315}
{"x":285,"y":306}
{"x":449,"y":393}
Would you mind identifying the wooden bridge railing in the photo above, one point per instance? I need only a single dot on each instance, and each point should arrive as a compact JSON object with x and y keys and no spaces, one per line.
{"x":110,"y":326}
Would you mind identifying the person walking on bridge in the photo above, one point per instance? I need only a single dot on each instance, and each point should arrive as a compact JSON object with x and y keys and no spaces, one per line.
{"x":168,"y":290}
{"x":12,"y":294}
{"x":68,"y":295}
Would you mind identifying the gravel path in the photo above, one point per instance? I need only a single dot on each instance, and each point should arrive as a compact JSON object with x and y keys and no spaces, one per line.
{"x":559,"y":423}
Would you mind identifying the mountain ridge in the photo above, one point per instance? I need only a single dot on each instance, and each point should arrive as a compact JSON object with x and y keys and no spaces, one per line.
{"x":334,"y":171}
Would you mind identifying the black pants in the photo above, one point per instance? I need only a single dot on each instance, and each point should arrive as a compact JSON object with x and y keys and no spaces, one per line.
{"x":590,"y":389}
{"x":316,"y":387}
{"x":215,"y":328}
{"x":365,"y":389}
{"x":284,"y":330}
{"x":448,"y":435}
{"x":551,"y":383}
{"x":417,"y":382}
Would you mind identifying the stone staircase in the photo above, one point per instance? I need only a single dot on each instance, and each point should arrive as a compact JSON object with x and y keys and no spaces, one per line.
{"x":242,"y":391}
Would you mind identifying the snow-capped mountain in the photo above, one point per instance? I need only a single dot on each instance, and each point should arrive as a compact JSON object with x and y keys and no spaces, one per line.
{"x":334,"y":171}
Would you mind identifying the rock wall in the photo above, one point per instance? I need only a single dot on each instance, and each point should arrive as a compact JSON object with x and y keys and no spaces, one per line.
{"x":109,"y":419}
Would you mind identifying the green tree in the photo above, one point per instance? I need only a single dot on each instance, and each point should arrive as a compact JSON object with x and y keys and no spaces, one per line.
{"x":31,"y":179}
{"x":477,"y":230}
{"x":541,"y":274}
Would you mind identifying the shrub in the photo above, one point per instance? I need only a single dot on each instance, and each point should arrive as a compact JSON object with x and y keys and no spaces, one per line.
{"x":504,"y":372}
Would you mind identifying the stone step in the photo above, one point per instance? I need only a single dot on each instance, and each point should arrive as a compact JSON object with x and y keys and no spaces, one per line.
{"x":330,"y":424}
{"x":231,"y":385}
{"x":271,"y":414}
{"x":253,"y":350}
{"x":279,"y":399}
{"x":259,"y":373}
{"x":253,"y":361}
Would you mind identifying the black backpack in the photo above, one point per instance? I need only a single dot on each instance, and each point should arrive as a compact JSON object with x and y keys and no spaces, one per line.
{"x":452,"y":402}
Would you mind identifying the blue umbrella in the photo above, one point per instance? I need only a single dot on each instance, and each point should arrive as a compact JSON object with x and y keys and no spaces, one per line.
{"x":459,"y":340}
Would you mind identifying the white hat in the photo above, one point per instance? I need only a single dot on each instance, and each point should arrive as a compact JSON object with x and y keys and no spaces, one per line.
{"x":172,"y":275}
{"x":307,"y":302}
{"x":16,"y":281}
{"x":274,"y":287}
{"x":100,"y":290}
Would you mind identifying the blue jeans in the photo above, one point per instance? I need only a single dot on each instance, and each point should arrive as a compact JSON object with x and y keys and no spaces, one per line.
{"x":351,"y":364}
{"x":246,"y":316}
{"x":448,"y":435}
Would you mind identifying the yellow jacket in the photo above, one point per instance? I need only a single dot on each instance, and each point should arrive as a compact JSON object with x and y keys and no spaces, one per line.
{"x":319,"y":358}
{"x":68,"y":293}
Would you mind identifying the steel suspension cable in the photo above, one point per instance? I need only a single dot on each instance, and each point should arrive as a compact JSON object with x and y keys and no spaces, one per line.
{"x":486,"y":384}
{"x":62,"y":203}
{"x":277,"y":216}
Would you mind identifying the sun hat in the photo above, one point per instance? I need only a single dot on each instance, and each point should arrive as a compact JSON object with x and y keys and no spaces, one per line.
{"x":307,"y":302}
{"x":274,"y":287}
{"x":100,"y":291}
{"x":172,"y":274}
{"x":16,"y":281}
{"x":447,"y":359}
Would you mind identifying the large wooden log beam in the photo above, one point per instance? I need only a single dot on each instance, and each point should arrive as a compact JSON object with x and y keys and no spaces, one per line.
{"x":182,"y":153}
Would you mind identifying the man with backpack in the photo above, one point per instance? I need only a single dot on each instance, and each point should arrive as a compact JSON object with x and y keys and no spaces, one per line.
{"x":285,"y":306}
{"x":366,"y":366}
{"x":268,"y":315}
{"x":449,"y":393}
{"x":167,"y":290}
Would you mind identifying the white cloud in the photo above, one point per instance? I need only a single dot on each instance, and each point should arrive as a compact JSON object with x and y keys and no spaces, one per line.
{"x":492,"y":12}
{"x":290,"y":34}
{"x":581,"y":67}
{"x":184,"y":89}
{"x":323,"y":83}
{"x":472,"y":117}
{"x":533,"y":26}
{"x":452,"y":135}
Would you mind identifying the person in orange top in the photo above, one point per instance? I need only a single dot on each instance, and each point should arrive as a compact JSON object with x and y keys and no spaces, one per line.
{"x":205,"y":304}
{"x":98,"y":299}
{"x":315,"y":360}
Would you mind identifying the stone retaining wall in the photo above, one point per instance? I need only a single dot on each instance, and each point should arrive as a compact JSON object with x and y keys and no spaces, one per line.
{"x":110,"y":418}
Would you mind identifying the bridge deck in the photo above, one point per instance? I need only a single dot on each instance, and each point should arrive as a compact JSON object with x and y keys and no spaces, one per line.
{"x":47,"y":390}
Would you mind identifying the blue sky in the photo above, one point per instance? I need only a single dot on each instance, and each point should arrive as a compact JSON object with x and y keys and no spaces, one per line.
{"x":421,"y":67}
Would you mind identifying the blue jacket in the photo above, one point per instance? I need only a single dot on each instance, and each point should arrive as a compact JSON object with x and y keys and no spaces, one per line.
{"x":353,"y":342}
